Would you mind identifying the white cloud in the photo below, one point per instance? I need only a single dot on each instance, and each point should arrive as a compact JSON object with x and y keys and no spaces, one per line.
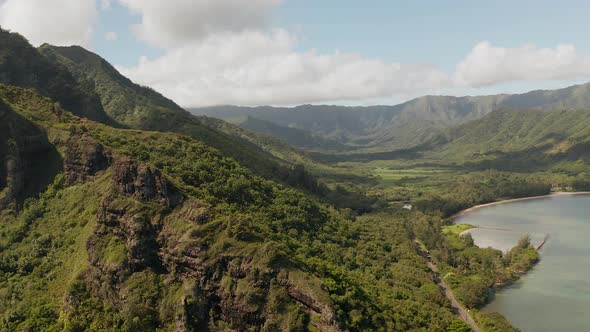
{"x":255,"y":67}
{"x":488,"y":65}
{"x":175,"y":22}
{"x":258,"y":67}
{"x":111,"y":36}
{"x":59,"y":22}
{"x":223,"y":51}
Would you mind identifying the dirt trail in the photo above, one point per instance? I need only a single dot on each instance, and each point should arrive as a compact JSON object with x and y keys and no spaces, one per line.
{"x":460,"y":310}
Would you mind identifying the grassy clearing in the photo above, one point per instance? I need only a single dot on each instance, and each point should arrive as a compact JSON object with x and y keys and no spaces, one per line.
{"x":415,"y":177}
{"x":453,"y":235}
{"x":391,"y":174}
{"x":456,"y":229}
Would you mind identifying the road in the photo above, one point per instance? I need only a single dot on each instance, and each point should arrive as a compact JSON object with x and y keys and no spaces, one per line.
{"x":459,"y":309}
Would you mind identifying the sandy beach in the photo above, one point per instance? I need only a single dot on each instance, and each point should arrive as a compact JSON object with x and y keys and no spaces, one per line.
{"x":481,"y":206}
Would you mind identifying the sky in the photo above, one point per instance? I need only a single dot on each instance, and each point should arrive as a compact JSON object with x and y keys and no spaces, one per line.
{"x":346,"y":52}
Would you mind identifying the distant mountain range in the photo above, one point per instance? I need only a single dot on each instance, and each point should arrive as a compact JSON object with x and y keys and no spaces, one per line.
{"x":382,"y":128}
{"x":121,"y":211}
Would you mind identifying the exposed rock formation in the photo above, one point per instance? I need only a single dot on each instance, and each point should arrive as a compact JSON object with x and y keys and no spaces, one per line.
{"x":303,"y":294}
{"x":84,"y":157}
{"x":144,"y":183}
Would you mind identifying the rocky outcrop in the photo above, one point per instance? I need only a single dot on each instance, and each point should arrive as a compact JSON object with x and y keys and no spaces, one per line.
{"x":140,"y":239}
{"x":135,"y":233}
{"x":235,"y":289}
{"x":311,"y":301}
{"x":122,"y":224}
{"x":144,"y":182}
{"x":195,"y":212}
{"x":181,"y":321}
{"x":84,"y":157}
{"x":145,"y":224}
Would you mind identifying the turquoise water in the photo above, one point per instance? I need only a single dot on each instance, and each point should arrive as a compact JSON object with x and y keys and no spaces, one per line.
{"x":555,"y":295}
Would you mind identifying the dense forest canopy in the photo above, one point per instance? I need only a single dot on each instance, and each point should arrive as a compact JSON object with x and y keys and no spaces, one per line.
{"x":120,"y":211}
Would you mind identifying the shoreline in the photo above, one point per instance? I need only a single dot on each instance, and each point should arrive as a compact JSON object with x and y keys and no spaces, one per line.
{"x":514,"y":200}
{"x":499,"y":286}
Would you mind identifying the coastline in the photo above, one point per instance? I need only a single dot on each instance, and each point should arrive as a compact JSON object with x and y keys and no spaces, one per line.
{"x":562,"y":218}
{"x":518,"y":274}
{"x":514,"y":274}
{"x":514,"y":200}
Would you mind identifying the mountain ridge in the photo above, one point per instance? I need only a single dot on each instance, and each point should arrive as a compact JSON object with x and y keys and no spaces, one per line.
{"x":163,"y":221}
{"x":134,"y":106}
{"x":404,"y":125}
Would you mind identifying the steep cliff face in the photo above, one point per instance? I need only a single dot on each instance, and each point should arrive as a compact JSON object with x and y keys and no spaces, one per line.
{"x":28,"y":161}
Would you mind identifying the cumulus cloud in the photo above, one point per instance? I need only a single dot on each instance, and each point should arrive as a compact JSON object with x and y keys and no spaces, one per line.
{"x":254,"y":67}
{"x":261,"y":67}
{"x":59,"y":22}
{"x":175,"y":22}
{"x":224,"y":51}
{"x":488,"y":65}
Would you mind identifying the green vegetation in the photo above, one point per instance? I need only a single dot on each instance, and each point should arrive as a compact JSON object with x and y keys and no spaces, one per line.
{"x":494,"y":322}
{"x":461,"y":191}
{"x":472,"y":271}
{"x":456,"y":229}
{"x":293,"y":136}
{"x":253,"y":237}
{"x":22,"y":65}
{"x":398,"y":177}
{"x":120,"y":211}
{"x":415,"y":125}
{"x":514,"y":140}
{"x":138,"y":107}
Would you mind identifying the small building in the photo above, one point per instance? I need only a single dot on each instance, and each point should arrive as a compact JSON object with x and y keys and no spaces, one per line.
{"x":408,"y":207}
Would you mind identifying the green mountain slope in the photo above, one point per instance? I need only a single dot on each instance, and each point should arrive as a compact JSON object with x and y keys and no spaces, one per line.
{"x":524,"y":139}
{"x":22,"y":65}
{"x":128,"y":103}
{"x":142,"y":108}
{"x":157,"y":231}
{"x":381,"y":128}
{"x":143,"y":240}
{"x":86,"y":85}
{"x":293,"y":136}
{"x":29,"y":161}
{"x":376,"y":127}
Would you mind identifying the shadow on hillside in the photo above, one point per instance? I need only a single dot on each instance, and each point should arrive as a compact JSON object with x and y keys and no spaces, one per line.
{"x":403,"y":154}
{"x":530,"y":160}
{"x":28,"y":161}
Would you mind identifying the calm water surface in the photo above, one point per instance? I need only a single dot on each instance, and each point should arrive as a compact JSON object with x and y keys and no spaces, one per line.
{"x":555,"y":295}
